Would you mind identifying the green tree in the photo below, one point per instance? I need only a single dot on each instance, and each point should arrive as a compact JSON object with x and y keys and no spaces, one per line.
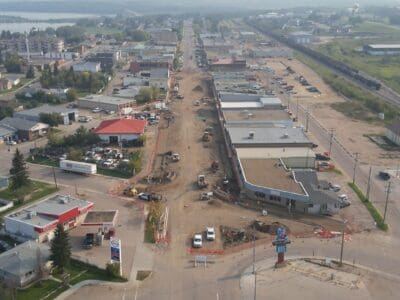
{"x":145,"y":95}
{"x":60,"y":249}
{"x":30,"y":73}
{"x":72,"y":95}
{"x":75,"y":154}
{"x":155,"y":92}
{"x":53,"y":119}
{"x":19,"y":171}
{"x":13,"y":63}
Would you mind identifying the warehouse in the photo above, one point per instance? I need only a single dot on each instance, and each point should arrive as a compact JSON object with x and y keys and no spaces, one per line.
{"x":382,"y":49}
{"x":257,"y":117}
{"x":120,"y":130}
{"x":24,"y":129}
{"x":106,"y":103}
{"x":68,"y":114}
{"x":38,"y":221}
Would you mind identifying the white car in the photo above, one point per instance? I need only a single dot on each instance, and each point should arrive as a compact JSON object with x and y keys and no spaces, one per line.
{"x":11,"y":142}
{"x":197,"y":241}
{"x":210,"y":232}
{"x":96,"y":110}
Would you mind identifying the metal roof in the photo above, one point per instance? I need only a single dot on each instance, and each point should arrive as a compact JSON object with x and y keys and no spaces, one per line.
{"x":46,"y":109}
{"x":384,"y":46}
{"x":22,"y":124}
{"x":275,"y":152}
{"x":23,"y":258}
{"x":103,"y":99}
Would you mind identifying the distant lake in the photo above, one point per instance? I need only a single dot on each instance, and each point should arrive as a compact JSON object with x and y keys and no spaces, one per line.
{"x":35,"y":16}
{"x":47,"y":15}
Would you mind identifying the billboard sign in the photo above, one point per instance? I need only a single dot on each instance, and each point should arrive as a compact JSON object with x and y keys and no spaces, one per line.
{"x":115,"y":245}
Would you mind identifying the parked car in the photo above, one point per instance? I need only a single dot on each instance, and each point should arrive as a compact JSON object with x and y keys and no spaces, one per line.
{"x":96,"y":110}
{"x":210,"y":233}
{"x":334,"y":187}
{"x":206,"y":195}
{"x":344,"y":201}
{"x":11,"y":142}
{"x":319,"y":156}
{"x":384,"y":175}
{"x":197,"y":241}
{"x":150,"y":196}
{"x":88,"y":242}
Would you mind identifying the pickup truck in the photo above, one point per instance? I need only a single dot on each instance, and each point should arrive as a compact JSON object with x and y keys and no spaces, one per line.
{"x":88,"y":242}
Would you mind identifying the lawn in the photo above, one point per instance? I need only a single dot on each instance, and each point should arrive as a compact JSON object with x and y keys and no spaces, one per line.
{"x":33,"y":192}
{"x":42,"y":161}
{"x":40,"y":290}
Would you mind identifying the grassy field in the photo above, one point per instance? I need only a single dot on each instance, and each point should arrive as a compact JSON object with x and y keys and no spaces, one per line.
{"x":385,"y":68}
{"x":40,"y":290}
{"x":33,"y":192}
{"x":365,"y":106}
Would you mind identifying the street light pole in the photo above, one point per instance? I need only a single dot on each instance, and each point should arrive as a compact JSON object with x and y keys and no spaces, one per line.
{"x":369,"y":182}
{"x":355,"y":166}
{"x":330,"y":141}
{"x":388,"y":191}
{"x":342,"y":245}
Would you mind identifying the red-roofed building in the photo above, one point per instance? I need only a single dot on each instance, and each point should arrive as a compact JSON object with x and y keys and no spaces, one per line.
{"x":114,"y":131}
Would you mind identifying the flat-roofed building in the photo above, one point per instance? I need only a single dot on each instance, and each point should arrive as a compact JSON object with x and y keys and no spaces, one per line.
{"x":104,"y":102}
{"x":382,"y":49}
{"x":267,"y":137}
{"x":38,"y":221}
{"x":257,"y":117}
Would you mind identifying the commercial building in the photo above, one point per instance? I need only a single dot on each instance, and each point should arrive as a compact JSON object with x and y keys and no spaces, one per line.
{"x":301,"y":37}
{"x":106,"y":59}
{"x":61,"y":55}
{"x":239,"y":100}
{"x":87,"y":66}
{"x":24,"y":129}
{"x":20,"y":265}
{"x":120,"y":130}
{"x":256,"y":117}
{"x":107,"y":103}
{"x":228,"y":64}
{"x":68,"y":114}
{"x":38,"y":221}
{"x":382,"y":49}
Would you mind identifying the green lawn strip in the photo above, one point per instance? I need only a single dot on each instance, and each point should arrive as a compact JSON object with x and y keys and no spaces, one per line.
{"x":149,"y":232}
{"x":370,"y":207}
{"x":40,"y":290}
{"x":80,"y":271}
{"x":42,"y":161}
{"x":35,"y":190}
{"x":366,"y":104}
{"x":113,"y":173}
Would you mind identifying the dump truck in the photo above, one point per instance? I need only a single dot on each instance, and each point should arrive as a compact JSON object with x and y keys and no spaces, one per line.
{"x":78,"y":167}
{"x":201,"y":181}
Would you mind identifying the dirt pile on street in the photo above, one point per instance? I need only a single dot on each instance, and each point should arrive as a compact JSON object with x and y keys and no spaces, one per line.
{"x":233,"y":236}
{"x":268,"y":228}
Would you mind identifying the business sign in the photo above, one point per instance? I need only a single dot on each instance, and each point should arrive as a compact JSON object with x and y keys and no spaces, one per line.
{"x":115,"y":245}
{"x":281,"y":240}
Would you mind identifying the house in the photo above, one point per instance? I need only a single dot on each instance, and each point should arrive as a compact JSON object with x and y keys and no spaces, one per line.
{"x":393,"y":132}
{"x":21,"y":265}
{"x":7,"y":133}
{"x":68,"y":114}
{"x":87,"y":67}
{"x":38,"y":221}
{"x":119,"y":130}
{"x":24,"y":129}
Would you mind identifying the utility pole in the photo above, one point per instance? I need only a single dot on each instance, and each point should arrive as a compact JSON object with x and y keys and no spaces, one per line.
{"x":307,"y":119}
{"x":369,"y":182}
{"x":297,"y":109}
{"x":342,"y":245}
{"x":355,"y":166}
{"x":55,"y":179}
{"x":388,"y":191}
{"x":330,"y":141}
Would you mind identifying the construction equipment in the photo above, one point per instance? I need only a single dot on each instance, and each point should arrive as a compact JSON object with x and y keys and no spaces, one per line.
{"x":201,"y":181}
{"x":206,"y":195}
{"x":175,"y":157}
{"x":206,"y":136}
{"x":214,"y":166}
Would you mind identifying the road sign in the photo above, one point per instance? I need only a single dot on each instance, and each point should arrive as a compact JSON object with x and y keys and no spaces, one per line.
{"x":115,"y":245}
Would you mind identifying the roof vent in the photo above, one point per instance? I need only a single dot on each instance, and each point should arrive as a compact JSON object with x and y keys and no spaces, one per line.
{"x":31,"y":214}
{"x":63,"y":200}
{"x":285,"y":136}
{"x":251,"y":134}
{"x":250,"y":115}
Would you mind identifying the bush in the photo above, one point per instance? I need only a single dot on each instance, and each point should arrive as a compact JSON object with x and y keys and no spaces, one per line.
{"x":370,"y":207}
{"x":112,"y":270}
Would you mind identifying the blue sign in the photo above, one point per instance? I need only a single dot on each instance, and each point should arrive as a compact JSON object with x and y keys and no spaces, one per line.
{"x":281,"y":240}
{"x":281,"y":249}
{"x":115,"y":245}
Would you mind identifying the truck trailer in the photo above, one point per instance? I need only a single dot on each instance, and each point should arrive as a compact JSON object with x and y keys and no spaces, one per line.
{"x":78,"y":167}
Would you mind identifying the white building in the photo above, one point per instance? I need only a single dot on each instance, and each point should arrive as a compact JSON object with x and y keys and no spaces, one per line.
{"x":120,"y":130}
{"x":87,"y":67}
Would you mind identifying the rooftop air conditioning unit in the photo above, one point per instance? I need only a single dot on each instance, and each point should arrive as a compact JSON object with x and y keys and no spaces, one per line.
{"x":31,"y":214}
{"x":251,"y":134}
{"x":285,"y":136}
